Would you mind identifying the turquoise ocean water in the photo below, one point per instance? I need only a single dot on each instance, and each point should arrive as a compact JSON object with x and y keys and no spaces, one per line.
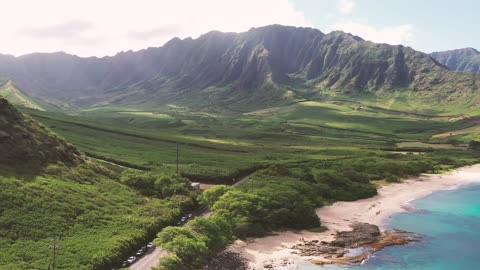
{"x":449,"y":221}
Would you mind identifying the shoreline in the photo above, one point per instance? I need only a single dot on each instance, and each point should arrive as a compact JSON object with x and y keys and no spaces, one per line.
{"x":391,"y":199}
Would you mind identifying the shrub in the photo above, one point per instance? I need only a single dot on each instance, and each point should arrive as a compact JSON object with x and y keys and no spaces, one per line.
{"x":211,"y":196}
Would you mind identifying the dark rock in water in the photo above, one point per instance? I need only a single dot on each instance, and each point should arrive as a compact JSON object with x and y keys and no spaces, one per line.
{"x":361,"y":234}
{"x":228,"y":261}
{"x":353,"y":246}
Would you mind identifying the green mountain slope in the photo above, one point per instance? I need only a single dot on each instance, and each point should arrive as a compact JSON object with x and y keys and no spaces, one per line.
{"x":462,"y":60}
{"x":263,"y":67}
{"x":9,"y":91}
{"x":48,"y":188}
{"x":27,"y":144}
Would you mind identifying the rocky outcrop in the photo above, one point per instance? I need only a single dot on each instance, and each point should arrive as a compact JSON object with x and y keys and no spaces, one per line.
{"x":366,"y":238}
{"x":228,"y":260}
{"x":361,"y":234}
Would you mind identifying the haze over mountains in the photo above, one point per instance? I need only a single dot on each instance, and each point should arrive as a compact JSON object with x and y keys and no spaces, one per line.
{"x":462,"y":60}
{"x":263,"y":67}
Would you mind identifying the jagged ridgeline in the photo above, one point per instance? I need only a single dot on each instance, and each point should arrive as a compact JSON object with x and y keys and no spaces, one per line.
{"x":461,"y":60}
{"x":25,"y":143}
{"x":263,"y":67}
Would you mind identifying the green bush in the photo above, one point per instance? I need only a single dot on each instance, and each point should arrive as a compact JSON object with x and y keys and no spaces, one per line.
{"x":210,"y":196}
{"x":156,"y":185}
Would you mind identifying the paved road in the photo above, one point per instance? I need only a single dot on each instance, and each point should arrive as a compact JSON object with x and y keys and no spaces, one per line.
{"x":241,"y":181}
{"x":152,"y":259}
{"x":149,"y":260}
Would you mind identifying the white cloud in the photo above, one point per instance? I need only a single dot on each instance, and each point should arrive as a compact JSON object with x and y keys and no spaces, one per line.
{"x":401,"y":34}
{"x":92,"y":27}
{"x":346,"y":6}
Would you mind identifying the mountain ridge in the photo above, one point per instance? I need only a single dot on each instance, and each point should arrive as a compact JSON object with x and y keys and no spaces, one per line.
{"x":262,"y":67}
{"x":10,"y":91}
{"x":460,"y":60}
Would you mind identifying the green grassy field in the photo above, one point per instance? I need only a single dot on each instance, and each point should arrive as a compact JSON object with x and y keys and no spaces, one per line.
{"x":216,"y":147}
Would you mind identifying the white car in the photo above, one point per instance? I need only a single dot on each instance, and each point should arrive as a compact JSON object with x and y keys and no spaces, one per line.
{"x":132,"y":259}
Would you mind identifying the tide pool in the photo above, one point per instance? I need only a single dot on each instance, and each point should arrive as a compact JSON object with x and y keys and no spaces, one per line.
{"x":449,"y":221}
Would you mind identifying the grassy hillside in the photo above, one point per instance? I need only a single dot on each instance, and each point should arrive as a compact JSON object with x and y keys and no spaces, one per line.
{"x":49,"y":188}
{"x":28,"y":145}
{"x":11,"y":92}
{"x":98,"y":220}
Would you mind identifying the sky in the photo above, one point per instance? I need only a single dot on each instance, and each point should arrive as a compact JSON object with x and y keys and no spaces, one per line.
{"x":106,"y":27}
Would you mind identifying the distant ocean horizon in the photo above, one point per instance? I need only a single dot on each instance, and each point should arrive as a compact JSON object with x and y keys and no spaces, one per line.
{"x":449,"y":222}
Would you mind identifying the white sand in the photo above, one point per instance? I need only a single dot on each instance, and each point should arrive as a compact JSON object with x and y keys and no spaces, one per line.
{"x":391,"y":199}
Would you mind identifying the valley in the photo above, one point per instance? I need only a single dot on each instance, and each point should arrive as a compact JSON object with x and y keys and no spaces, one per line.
{"x":274,"y":123}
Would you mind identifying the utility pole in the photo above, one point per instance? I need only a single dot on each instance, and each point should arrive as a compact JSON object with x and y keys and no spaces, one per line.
{"x":54,"y":247}
{"x":177,"y":156}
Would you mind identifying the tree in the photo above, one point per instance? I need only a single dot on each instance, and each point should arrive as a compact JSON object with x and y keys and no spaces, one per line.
{"x":211,"y":195}
{"x":156,"y":185}
{"x":217,"y":231}
{"x":191,"y":250}
{"x":187,"y":245}
{"x":168,"y":185}
{"x":171,"y":262}
{"x":143,"y":182}
{"x":246,"y":211}
{"x":169,"y":233}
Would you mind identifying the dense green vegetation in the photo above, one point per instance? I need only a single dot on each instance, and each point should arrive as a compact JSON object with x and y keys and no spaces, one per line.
{"x":50,"y":189}
{"x":285,"y":196}
{"x":158,"y":186}
{"x":300,"y":157}
{"x":193,"y":244}
{"x":99,"y":220}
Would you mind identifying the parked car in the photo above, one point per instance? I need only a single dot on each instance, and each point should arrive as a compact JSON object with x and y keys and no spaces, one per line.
{"x":150,"y":245}
{"x":139,"y":253}
{"x":125,"y":264}
{"x":182,"y":221}
{"x":132,"y":259}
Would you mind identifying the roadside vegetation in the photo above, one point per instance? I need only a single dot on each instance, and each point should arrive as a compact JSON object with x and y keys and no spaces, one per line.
{"x":285,"y":197}
{"x":97,"y":219}
{"x":299,"y":158}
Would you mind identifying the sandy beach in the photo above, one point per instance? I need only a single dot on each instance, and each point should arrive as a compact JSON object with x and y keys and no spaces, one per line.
{"x":391,"y":199}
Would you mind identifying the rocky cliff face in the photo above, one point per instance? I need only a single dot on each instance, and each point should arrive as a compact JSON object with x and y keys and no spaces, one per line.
{"x":261,"y":67}
{"x":462,"y":60}
{"x":26,"y":143}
